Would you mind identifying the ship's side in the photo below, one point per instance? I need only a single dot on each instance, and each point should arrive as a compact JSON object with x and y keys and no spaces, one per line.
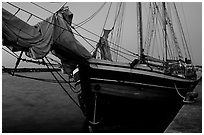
{"x":142,"y":82}
{"x":109,"y":88}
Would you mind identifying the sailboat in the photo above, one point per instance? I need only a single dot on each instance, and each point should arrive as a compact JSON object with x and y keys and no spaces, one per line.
{"x":147,"y":87}
{"x":127,"y":84}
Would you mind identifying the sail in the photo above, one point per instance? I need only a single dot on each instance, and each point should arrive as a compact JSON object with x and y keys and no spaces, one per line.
{"x":103,"y":46}
{"x":53,"y":34}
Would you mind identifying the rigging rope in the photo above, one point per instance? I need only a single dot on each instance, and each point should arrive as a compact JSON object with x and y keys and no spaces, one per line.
{"x":112,"y":49}
{"x":92,"y":32}
{"x":54,"y":60}
{"x":48,"y":80}
{"x":189,"y":42}
{"x":63,"y":87}
{"x":91,"y":17}
{"x":106,"y":19}
{"x":184,"y":39}
{"x":13,"y":54}
{"x":44,"y":8}
{"x":117,"y":14}
{"x":34,"y":78}
{"x":40,"y":19}
{"x":171,"y":31}
{"x":64,"y":4}
{"x":119,"y":29}
{"x":45,"y":80}
{"x":27,"y":60}
{"x":178,"y":91}
{"x":160,"y":42}
{"x":133,"y":54}
{"x":72,"y":87}
{"x":28,"y":77}
{"x":150,"y":28}
{"x":69,"y":30}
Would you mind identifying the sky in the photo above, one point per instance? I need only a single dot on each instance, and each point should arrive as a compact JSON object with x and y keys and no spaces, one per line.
{"x":192,"y":20}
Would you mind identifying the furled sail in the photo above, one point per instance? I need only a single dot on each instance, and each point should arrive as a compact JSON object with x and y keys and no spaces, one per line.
{"x":53,"y":34}
{"x":103,"y":46}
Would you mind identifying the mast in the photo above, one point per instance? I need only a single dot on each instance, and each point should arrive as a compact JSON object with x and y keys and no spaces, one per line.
{"x":139,"y":29}
{"x":165,"y":32}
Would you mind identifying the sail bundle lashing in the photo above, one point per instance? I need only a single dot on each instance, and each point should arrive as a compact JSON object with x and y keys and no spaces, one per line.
{"x":104,"y":47}
{"x":51,"y":35}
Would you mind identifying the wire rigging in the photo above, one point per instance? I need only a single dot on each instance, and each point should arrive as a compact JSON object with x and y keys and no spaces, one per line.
{"x":90,"y":17}
{"x":69,"y":30}
{"x":106,"y":19}
{"x":119,"y":28}
{"x":35,"y":78}
{"x":72,"y":87}
{"x":27,"y":60}
{"x":45,"y":80}
{"x":183,"y":35}
{"x":189,"y":42}
{"x":64,"y":4}
{"x":133,"y":54}
{"x":62,"y":86}
{"x":13,"y":54}
{"x":29,"y":77}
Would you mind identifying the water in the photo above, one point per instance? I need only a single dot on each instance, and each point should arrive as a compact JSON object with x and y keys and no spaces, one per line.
{"x":31,"y":106}
{"x":36,"y":107}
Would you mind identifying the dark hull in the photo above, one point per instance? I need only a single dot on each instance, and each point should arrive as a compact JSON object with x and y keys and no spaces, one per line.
{"x":113,"y":95}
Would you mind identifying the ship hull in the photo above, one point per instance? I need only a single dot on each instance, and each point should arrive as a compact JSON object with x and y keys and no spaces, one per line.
{"x":113,"y":93}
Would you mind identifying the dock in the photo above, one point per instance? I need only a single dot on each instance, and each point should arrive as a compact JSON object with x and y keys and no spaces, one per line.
{"x":189,"y":117}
